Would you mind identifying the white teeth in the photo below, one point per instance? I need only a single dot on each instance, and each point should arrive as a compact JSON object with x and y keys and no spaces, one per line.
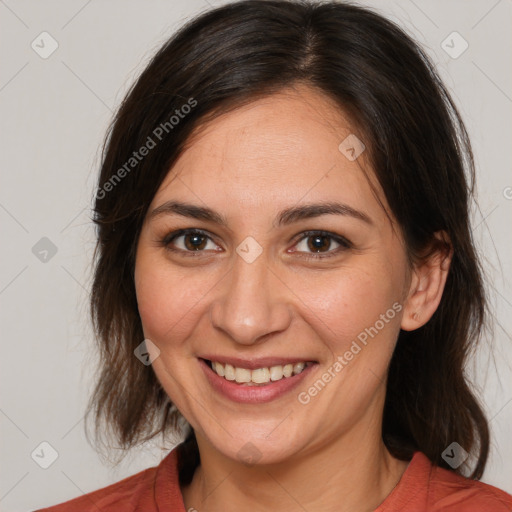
{"x":276,"y":373}
{"x":219,"y":369}
{"x":258,"y":376}
{"x":298,"y":367}
{"x":229,"y":371}
{"x":288,"y":370}
{"x":242,"y":375}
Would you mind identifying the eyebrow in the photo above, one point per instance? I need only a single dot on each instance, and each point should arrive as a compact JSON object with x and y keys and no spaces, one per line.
{"x":284,"y":217}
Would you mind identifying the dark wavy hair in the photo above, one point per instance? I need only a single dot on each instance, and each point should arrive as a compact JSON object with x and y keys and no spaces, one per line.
{"x":419,"y":151}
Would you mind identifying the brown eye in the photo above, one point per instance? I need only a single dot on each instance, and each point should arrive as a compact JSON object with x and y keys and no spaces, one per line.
{"x":188,"y":241}
{"x":318,"y":243}
{"x":194,"y":242}
{"x":321,"y":242}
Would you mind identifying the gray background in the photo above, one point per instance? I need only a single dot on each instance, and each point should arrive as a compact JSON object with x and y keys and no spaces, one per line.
{"x":54,"y":113}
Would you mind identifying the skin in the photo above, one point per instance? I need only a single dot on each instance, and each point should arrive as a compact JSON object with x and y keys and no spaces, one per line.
{"x":249,"y":164}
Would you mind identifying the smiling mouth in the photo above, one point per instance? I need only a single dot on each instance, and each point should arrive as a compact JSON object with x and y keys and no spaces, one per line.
{"x":259,"y":376}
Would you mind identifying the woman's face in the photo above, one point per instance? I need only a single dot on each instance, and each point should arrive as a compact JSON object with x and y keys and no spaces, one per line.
{"x":277,"y":283}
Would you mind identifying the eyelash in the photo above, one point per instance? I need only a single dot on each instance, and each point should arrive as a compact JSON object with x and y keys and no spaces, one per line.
{"x":344,"y":243}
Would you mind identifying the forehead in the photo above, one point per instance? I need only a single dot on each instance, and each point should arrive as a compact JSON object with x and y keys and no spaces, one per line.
{"x":297,"y":124}
{"x":274,"y":151}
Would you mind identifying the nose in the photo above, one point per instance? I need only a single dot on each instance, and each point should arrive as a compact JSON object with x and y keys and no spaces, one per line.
{"x":251,"y":303}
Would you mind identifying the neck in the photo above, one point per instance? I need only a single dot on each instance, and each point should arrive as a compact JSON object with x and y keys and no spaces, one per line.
{"x":352,"y":472}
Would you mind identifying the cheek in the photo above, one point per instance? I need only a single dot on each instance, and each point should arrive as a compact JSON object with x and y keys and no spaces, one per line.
{"x":168,"y":304}
{"x":359,"y":304}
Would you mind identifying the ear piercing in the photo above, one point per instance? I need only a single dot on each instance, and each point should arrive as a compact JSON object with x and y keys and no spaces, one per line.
{"x":415,"y":316}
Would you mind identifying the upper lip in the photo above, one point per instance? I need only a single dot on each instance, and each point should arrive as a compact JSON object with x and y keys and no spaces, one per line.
{"x":254,"y":363}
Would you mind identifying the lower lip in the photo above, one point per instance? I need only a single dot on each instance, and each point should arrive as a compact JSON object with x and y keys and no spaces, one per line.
{"x":253,"y":394}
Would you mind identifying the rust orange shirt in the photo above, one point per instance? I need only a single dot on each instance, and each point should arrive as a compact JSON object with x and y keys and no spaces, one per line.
{"x":422,"y":488}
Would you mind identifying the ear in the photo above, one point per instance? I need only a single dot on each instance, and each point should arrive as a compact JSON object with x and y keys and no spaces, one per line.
{"x":427,"y":284}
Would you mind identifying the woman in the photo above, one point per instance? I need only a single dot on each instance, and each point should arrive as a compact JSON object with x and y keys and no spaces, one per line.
{"x":282,"y":217}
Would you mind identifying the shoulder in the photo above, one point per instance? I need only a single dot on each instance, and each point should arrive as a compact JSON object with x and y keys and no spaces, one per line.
{"x":123,"y":495}
{"x":449,"y":491}
{"x":425,"y":487}
{"x":136,"y":492}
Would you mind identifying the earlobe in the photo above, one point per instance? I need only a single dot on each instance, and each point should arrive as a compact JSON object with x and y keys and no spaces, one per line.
{"x":427,"y":285}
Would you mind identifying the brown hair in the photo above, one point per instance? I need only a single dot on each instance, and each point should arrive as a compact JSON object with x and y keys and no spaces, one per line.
{"x":419,"y":151}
